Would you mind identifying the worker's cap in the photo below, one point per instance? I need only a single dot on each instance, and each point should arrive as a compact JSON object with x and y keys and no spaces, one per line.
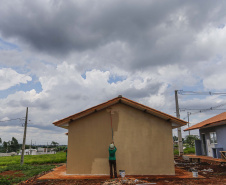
{"x":112,"y":145}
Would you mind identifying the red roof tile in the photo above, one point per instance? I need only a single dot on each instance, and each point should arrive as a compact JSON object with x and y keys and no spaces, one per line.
{"x":113,"y":101}
{"x":213,"y":121}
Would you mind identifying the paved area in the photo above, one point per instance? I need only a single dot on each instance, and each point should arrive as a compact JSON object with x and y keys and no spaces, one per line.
{"x":60,"y":173}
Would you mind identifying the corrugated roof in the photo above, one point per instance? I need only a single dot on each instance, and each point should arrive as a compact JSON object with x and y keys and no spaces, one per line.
{"x":211,"y":122}
{"x":113,"y":101}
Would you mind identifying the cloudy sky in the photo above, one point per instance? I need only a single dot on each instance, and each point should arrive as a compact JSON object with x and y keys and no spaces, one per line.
{"x":60,"y":57}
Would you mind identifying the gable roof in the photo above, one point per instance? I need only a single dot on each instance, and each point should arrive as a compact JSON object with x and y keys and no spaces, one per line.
{"x":173,"y":120}
{"x":211,"y":122}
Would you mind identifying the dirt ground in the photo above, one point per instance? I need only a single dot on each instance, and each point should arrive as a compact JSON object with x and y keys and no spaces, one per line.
{"x":213,"y":173}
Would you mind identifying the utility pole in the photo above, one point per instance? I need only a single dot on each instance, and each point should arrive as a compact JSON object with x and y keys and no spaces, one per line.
{"x":30,"y":144}
{"x":188,"y":121}
{"x":180,"y":144}
{"x":24,"y":139}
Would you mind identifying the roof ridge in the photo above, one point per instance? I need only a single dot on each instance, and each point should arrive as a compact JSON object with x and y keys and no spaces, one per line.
{"x":112,"y":102}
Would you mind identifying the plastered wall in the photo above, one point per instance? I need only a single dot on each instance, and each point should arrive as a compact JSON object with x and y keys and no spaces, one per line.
{"x":221,"y":138}
{"x":144,"y":143}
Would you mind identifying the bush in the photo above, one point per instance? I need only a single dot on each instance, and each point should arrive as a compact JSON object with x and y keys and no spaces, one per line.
{"x":190,"y":140}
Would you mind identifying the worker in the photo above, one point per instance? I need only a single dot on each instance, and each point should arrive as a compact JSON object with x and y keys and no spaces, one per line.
{"x":112,"y":159}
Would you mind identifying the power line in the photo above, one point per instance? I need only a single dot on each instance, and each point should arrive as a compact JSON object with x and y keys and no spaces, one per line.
{"x":203,"y":110}
{"x":182,"y":92}
{"x":20,"y":119}
{"x":13,"y":119}
{"x":200,"y":110}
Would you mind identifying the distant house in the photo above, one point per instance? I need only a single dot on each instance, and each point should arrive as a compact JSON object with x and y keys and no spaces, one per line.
{"x":212,"y":135}
{"x":38,"y":151}
{"x":41,"y":150}
{"x":142,"y":135}
{"x":29,"y":152}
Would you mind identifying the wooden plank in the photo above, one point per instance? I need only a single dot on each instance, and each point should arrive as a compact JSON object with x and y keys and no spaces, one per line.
{"x":223,"y":154}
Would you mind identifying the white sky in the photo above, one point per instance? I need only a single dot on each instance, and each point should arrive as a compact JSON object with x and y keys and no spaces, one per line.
{"x":60,"y":57}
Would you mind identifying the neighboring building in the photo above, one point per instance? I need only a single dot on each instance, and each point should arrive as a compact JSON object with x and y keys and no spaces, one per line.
{"x":39,"y":151}
{"x":212,"y":136}
{"x":142,"y":135}
{"x":29,"y":152}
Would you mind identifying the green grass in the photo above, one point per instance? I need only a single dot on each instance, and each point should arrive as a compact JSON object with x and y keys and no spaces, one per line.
{"x":59,"y":157}
{"x":33,"y":165}
{"x":186,"y":151}
{"x":189,"y":150}
{"x":28,"y":171}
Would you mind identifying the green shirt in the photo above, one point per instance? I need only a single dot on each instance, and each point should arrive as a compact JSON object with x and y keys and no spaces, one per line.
{"x":112,"y":153}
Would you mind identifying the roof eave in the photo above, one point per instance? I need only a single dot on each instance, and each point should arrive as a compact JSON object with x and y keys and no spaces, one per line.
{"x":175,"y":121}
{"x":214,"y":124}
{"x":64,"y":123}
{"x":92,"y":110}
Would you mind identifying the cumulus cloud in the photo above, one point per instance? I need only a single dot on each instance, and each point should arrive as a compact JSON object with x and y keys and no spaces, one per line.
{"x":9,"y":78}
{"x":66,"y":91}
{"x":148,"y":29}
{"x":142,"y":50}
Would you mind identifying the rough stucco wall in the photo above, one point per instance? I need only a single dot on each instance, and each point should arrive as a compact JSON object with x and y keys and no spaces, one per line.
{"x":88,"y":141}
{"x":221,"y":136}
{"x":144,"y":143}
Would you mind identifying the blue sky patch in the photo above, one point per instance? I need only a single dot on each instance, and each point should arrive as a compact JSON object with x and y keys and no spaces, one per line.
{"x":83,"y":75}
{"x":8,"y":46}
{"x":34,"y":84}
{"x":115,"y":78}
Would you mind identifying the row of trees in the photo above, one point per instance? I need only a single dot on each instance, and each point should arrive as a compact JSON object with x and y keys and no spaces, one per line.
{"x":189,"y":139}
{"x":14,"y":146}
{"x":10,"y":146}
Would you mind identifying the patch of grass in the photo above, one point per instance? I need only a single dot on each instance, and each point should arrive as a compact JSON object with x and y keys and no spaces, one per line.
{"x":186,"y":151}
{"x":28,"y":171}
{"x":176,"y":152}
{"x":33,"y":165}
{"x":189,"y":150}
{"x":59,"y":157}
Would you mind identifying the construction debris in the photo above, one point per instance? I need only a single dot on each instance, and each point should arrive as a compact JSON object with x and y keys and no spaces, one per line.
{"x":207,"y":170}
{"x":120,"y":181}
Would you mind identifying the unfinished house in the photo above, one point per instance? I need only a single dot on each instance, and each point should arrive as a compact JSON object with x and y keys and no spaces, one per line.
{"x":142,"y":135}
{"x":212,"y":136}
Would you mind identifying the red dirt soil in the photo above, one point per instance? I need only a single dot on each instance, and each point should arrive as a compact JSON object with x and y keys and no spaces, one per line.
{"x":60,"y":173}
{"x":208,"y":174}
{"x":16,"y":173}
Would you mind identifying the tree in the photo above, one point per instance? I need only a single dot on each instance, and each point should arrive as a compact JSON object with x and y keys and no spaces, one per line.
{"x":175,"y":138}
{"x":190,"y":139}
{"x":54,"y":144}
{"x":5,"y":146}
{"x":11,"y":146}
{"x":0,"y":140}
{"x":14,"y":145}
